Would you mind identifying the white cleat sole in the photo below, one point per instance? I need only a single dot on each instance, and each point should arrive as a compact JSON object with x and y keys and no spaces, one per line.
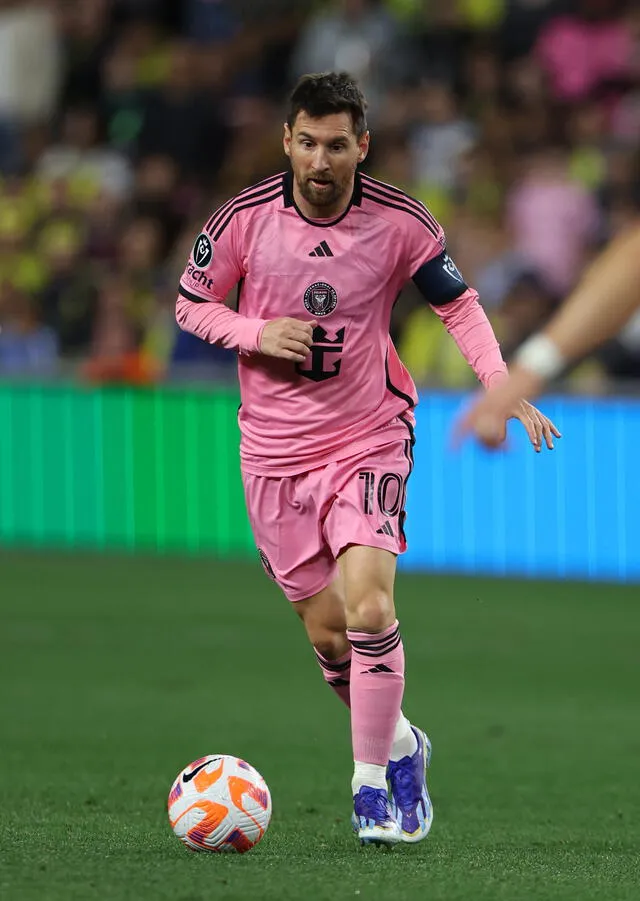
{"x":375,"y":835}
{"x":379,"y":837}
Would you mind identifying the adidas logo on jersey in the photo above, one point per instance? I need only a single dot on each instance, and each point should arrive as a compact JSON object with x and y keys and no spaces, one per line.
{"x":322,"y":250}
{"x":386,"y":529}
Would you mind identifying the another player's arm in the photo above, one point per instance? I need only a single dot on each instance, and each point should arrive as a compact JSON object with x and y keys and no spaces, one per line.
{"x":603,"y":302}
{"x":443,"y":287}
{"x":211,"y":272}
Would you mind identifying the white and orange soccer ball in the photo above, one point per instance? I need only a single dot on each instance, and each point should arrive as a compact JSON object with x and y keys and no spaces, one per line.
{"x":219,"y":803}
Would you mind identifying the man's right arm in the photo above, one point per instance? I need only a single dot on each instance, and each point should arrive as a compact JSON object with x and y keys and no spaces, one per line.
{"x":211,"y":272}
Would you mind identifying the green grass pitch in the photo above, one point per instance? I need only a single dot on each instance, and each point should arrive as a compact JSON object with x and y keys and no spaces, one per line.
{"x":116,"y":672}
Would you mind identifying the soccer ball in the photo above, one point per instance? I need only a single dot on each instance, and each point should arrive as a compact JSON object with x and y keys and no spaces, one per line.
{"x":219,"y":803}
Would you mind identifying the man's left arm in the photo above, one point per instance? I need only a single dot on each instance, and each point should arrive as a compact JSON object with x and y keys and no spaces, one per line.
{"x":445,"y":290}
{"x":457,"y":305}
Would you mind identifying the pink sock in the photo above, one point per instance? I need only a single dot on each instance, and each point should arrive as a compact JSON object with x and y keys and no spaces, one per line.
{"x":337,"y":674}
{"x":377,"y":685}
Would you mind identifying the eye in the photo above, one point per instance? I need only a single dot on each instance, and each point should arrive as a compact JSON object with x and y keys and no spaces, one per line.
{"x":306,"y":144}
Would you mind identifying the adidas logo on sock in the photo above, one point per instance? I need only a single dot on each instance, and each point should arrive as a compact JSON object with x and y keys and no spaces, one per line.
{"x":386,"y":529}
{"x":322,"y":250}
{"x":380,"y":668}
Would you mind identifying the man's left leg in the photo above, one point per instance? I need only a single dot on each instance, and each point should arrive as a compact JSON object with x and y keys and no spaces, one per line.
{"x":377,"y":686}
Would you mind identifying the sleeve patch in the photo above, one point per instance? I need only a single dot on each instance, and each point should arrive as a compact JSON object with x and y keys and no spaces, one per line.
{"x":202,"y":251}
{"x":440,"y":280}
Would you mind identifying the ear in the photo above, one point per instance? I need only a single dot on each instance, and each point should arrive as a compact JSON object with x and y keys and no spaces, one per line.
{"x":363,"y":146}
{"x":286,"y":139}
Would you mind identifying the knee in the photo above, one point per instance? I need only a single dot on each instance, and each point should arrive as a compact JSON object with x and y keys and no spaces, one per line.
{"x":327,"y":634}
{"x":330,"y":645}
{"x":371,"y":612}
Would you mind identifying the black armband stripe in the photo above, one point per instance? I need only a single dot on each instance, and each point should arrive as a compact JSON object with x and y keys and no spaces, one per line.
{"x":194,"y":297}
{"x":439,"y":281}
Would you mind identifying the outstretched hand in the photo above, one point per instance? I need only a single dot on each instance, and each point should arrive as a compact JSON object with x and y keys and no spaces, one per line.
{"x":487,"y":419}
{"x":536,"y":424}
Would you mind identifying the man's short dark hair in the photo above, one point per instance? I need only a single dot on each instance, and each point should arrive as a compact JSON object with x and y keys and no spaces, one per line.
{"x":328,"y":93}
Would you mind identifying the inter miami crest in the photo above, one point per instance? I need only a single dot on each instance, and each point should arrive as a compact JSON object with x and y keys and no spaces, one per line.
{"x":320,"y":299}
{"x":202,"y":251}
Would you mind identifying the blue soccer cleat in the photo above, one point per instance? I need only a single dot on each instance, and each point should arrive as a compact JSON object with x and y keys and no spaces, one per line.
{"x":372,"y":818}
{"x":410,"y":802}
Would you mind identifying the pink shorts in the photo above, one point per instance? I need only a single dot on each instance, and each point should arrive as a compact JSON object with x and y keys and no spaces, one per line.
{"x":302,"y":523}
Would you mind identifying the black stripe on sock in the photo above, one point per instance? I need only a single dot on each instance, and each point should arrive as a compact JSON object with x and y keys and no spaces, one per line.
{"x":332,"y":666}
{"x":375,"y":639}
{"x":379,"y":652}
{"x":377,"y":647}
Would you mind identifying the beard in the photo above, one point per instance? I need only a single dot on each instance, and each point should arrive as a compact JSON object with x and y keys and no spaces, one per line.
{"x":322,"y":197}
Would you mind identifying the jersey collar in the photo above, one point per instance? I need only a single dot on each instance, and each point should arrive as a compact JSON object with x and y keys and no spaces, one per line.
{"x":356,"y":200}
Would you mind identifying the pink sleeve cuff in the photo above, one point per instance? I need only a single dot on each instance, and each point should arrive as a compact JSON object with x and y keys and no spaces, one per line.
{"x":215,"y":323}
{"x":250,"y":336}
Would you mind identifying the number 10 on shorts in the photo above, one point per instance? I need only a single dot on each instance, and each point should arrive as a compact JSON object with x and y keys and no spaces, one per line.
{"x":390,"y":494}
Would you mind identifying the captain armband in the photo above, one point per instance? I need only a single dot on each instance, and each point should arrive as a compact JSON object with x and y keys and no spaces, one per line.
{"x":439,"y":280}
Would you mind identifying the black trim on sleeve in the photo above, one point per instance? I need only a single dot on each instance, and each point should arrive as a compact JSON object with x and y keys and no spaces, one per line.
{"x":439,"y":280}
{"x":194,"y":297}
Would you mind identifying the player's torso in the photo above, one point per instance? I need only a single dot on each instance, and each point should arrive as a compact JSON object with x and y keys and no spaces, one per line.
{"x":344,"y":276}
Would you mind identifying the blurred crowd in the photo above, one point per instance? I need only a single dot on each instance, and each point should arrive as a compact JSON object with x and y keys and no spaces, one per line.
{"x":123,"y":123}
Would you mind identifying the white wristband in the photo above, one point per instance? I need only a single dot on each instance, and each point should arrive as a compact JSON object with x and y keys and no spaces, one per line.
{"x":540,"y":356}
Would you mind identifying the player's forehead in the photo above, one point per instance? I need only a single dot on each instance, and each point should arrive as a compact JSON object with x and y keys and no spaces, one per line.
{"x":324,"y":128}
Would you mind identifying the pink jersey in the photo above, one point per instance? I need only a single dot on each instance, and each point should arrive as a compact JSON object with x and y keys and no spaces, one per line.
{"x":352,"y":392}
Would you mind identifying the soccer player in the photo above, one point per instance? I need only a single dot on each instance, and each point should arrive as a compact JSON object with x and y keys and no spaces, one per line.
{"x":602,"y":303}
{"x":319,"y":255}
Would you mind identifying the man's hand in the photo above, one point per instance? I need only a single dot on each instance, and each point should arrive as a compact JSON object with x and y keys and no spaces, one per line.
{"x":487,"y":417}
{"x":288,"y":339}
{"x":537,"y":425}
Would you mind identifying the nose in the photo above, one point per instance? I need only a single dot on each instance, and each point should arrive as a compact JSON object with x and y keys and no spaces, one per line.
{"x":320,"y":160}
